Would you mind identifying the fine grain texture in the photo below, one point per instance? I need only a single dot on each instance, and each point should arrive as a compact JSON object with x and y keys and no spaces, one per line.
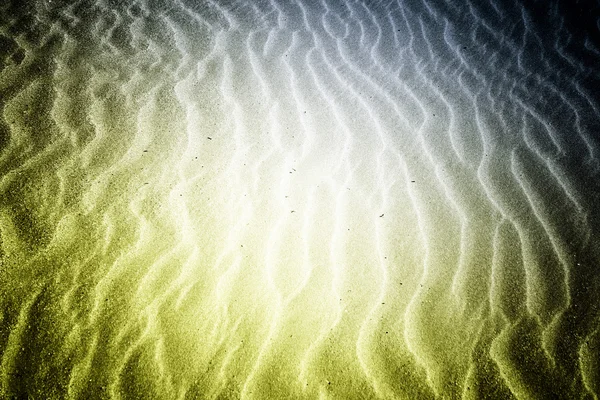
{"x":299,"y":199}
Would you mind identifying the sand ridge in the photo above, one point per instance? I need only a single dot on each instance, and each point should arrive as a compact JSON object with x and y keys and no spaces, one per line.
{"x":298,"y":199}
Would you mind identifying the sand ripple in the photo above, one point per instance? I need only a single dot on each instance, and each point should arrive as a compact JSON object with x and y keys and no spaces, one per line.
{"x":299,"y":199}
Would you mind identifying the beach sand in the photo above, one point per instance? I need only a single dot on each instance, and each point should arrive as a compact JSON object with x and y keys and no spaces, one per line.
{"x":299,"y":199}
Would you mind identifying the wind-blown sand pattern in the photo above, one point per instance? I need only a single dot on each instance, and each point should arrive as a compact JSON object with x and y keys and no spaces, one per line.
{"x":205,"y":199}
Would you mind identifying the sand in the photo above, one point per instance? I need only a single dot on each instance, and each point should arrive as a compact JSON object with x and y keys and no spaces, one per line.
{"x":299,"y":199}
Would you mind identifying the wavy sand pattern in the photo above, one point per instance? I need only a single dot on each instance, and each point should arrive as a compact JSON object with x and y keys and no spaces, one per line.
{"x":207,"y":199}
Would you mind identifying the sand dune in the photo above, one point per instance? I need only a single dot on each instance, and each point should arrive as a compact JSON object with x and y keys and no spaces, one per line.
{"x":299,"y":199}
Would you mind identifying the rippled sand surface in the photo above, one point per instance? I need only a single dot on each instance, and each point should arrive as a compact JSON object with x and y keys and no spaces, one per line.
{"x":212,"y":199}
